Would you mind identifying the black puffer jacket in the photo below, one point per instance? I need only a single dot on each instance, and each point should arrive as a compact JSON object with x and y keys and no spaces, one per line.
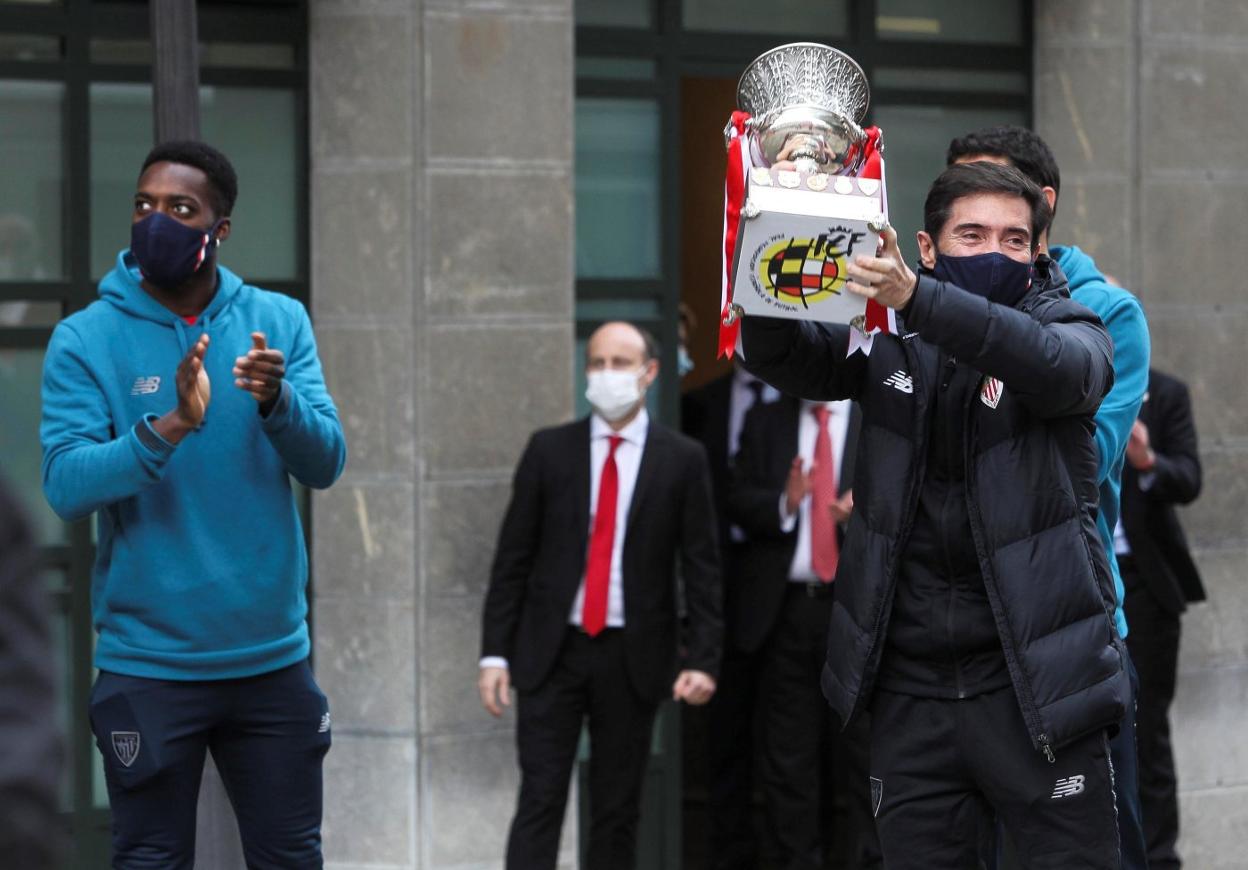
{"x":1030,"y":486}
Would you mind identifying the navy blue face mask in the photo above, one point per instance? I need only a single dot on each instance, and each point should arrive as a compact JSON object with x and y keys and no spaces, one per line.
{"x":169,"y":252}
{"x":993,"y":276}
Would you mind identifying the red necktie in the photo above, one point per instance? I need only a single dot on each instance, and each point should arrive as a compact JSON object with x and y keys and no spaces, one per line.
{"x":601,"y":545}
{"x":824,"y":550}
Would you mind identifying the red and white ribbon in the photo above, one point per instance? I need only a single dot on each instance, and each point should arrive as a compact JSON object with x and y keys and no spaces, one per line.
{"x":878,"y":317}
{"x":734,"y":198}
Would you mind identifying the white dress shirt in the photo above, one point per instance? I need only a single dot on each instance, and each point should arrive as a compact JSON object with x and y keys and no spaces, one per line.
{"x":1121,"y":546}
{"x":627,"y":464}
{"x":800,"y":571}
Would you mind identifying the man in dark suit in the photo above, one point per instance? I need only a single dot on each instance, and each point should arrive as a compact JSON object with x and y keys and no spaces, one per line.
{"x":582,"y":614}
{"x":714,"y":414}
{"x":791,"y":492}
{"x":1162,"y":470}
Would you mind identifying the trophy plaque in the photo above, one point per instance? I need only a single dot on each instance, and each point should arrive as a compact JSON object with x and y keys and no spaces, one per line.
{"x":811,"y":199}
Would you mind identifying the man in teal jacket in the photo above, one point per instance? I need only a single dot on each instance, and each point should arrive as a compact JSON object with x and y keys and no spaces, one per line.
{"x":1124,"y":320}
{"x":177,"y":408}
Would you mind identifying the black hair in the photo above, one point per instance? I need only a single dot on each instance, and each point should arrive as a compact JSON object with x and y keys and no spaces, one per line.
{"x":222,"y":179}
{"x":1022,"y":147}
{"x":967,"y":179}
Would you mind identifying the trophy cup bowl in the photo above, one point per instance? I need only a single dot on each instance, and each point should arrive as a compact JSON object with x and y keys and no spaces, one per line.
{"x":806,"y":101}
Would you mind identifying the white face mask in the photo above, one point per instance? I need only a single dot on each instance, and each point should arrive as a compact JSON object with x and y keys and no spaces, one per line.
{"x":614,"y":393}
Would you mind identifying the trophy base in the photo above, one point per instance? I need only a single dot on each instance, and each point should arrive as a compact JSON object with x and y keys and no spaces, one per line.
{"x":796,"y":236}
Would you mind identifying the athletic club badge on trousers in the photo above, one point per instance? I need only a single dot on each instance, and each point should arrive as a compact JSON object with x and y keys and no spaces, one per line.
{"x":126,"y":746}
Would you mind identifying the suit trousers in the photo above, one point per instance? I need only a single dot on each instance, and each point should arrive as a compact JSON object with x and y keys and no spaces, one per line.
{"x":731,"y":714}
{"x":589,"y":683}
{"x":1153,"y":640}
{"x":796,"y":729}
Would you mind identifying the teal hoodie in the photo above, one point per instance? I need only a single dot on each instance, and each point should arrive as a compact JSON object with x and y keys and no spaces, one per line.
{"x":201,"y":569}
{"x":1124,"y":319}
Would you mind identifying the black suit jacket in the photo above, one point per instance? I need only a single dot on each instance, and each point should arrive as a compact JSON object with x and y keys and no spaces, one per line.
{"x":1148,"y":516}
{"x":705,"y":415}
{"x":769,"y":441}
{"x":542,"y":545}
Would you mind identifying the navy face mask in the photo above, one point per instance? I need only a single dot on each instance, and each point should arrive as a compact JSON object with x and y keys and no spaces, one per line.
{"x":169,"y":252}
{"x":993,"y":276}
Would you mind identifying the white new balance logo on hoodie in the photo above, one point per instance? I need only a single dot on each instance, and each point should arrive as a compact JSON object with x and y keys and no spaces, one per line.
{"x":145,"y":386}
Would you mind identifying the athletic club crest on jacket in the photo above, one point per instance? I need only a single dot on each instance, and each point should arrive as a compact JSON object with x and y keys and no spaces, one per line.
{"x":990,"y":393}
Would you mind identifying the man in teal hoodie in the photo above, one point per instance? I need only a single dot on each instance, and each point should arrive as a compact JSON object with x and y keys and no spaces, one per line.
{"x":177,"y":408}
{"x":1124,"y":319}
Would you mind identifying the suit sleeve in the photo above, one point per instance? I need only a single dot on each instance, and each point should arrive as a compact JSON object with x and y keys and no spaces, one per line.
{"x":801,"y":358}
{"x":1128,"y":331}
{"x":303,"y":425}
{"x":753,"y":500}
{"x":1058,"y":368}
{"x":1177,"y":474}
{"x":86,"y":465}
{"x":700,"y":568}
{"x":514,"y":557}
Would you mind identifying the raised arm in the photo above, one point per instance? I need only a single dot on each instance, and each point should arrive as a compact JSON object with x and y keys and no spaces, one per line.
{"x":86,"y":464}
{"x":1057,"y":361}
{"x":303,"y":423}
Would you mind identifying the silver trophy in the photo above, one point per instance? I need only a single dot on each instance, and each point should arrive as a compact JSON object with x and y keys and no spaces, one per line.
{"x":806,"y":103}
{"x":806,"y":211}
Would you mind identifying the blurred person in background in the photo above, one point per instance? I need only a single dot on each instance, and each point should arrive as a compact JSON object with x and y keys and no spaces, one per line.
{"x":30,"y":744}
{"x":791,"y":494}
{"x":1163,"y":470}
{"x":582,"y":616}
{"x":714,"y":413}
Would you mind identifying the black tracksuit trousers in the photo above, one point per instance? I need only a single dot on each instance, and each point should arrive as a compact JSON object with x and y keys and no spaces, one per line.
{"x":941,"y":769}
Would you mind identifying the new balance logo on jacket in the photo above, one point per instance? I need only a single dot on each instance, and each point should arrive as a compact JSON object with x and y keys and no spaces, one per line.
{"x":899,"y":380}
{"x":1068,"y":787}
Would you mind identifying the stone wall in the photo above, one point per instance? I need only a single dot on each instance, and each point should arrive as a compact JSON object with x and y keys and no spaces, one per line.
{"x":442,"y":287}
{"x":1146,"y":104}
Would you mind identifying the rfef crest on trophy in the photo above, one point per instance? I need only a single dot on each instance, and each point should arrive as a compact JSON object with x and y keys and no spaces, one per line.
{"x":805,"y":187}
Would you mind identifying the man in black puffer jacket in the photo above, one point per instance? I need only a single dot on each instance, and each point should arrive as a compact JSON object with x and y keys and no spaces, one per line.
{"x":973,"y":615}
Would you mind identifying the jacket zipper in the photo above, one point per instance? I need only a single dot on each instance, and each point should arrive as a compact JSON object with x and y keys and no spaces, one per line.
{"x":1022,"y":689}
{"x":867,"y":683}
{"x":950,"y":369}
